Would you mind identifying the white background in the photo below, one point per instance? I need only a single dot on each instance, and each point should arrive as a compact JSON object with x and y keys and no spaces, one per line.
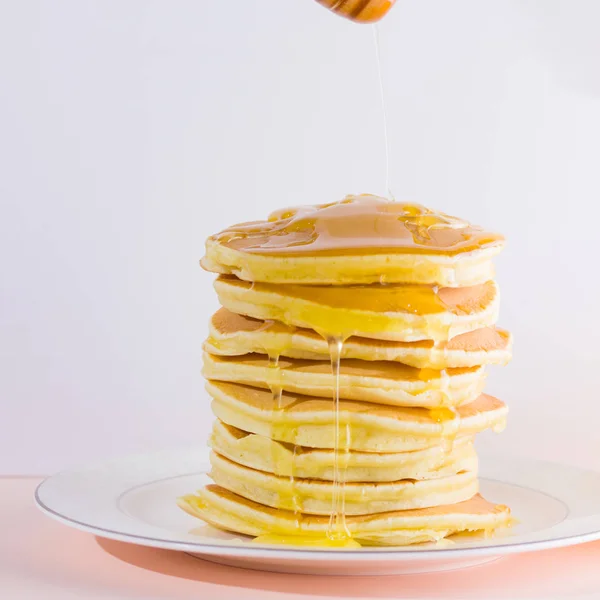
{"x":132,"y":129}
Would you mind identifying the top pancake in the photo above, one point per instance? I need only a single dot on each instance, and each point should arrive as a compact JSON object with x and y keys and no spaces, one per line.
{"x":362,"y":239}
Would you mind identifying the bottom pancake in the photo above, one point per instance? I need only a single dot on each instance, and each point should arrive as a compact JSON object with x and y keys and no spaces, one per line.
{"x":312,"y":496}
{"x":228,"y":511}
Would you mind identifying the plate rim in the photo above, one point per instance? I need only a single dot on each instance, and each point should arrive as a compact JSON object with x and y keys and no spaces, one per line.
{"x":370,"y":554}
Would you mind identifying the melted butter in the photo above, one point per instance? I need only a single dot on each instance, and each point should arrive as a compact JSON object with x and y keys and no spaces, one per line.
{"x":361,"y":224}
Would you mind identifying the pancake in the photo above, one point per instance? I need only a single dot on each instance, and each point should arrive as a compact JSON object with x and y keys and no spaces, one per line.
{"x":345,"y":370}
{"x":309,"y":421}
{"x":404,"y":313}
{"x":229,"y":511}
{"x":313,"y":496}
{"x":286,"y":460}
{"x":362,"y":239}
{"x":379,"y":382}
{"x":231,"y":334}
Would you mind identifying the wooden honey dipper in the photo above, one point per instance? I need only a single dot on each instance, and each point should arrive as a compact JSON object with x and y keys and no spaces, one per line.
{"x":360,"y":11}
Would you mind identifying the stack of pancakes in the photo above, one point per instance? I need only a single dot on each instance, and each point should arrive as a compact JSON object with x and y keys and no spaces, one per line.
{"x":346,"y":368}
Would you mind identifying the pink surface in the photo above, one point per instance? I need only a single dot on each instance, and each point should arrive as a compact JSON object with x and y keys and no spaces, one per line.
{"x":40,"y":558}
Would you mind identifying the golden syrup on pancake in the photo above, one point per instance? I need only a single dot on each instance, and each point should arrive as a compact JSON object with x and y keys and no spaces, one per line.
{"x":362,"y":225}
{"x":322,"y":304}
{"x":412,"y":299}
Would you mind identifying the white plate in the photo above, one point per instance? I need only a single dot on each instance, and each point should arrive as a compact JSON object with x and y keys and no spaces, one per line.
{"x":132,"y":499}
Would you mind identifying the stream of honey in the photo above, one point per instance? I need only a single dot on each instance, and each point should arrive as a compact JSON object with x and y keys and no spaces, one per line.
{"x":386,"y":138}
{"x":338,"y":530}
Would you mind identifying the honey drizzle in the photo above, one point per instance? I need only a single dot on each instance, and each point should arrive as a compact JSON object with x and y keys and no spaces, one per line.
{"x":337,"y":535}
{"x":386,"y":138}
{"x":337,"y":522}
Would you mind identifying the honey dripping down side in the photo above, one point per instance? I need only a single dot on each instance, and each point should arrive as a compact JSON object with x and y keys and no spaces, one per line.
{"x":358,"y":225}
{"x":333,"y":538}
{"x":446,"y":416}
{"x":275,"y":383}
{"x":338,"y":530}
{"x":337,"y":534}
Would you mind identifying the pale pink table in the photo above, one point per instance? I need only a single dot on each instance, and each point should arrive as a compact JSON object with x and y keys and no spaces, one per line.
{"x":40,"y":558}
